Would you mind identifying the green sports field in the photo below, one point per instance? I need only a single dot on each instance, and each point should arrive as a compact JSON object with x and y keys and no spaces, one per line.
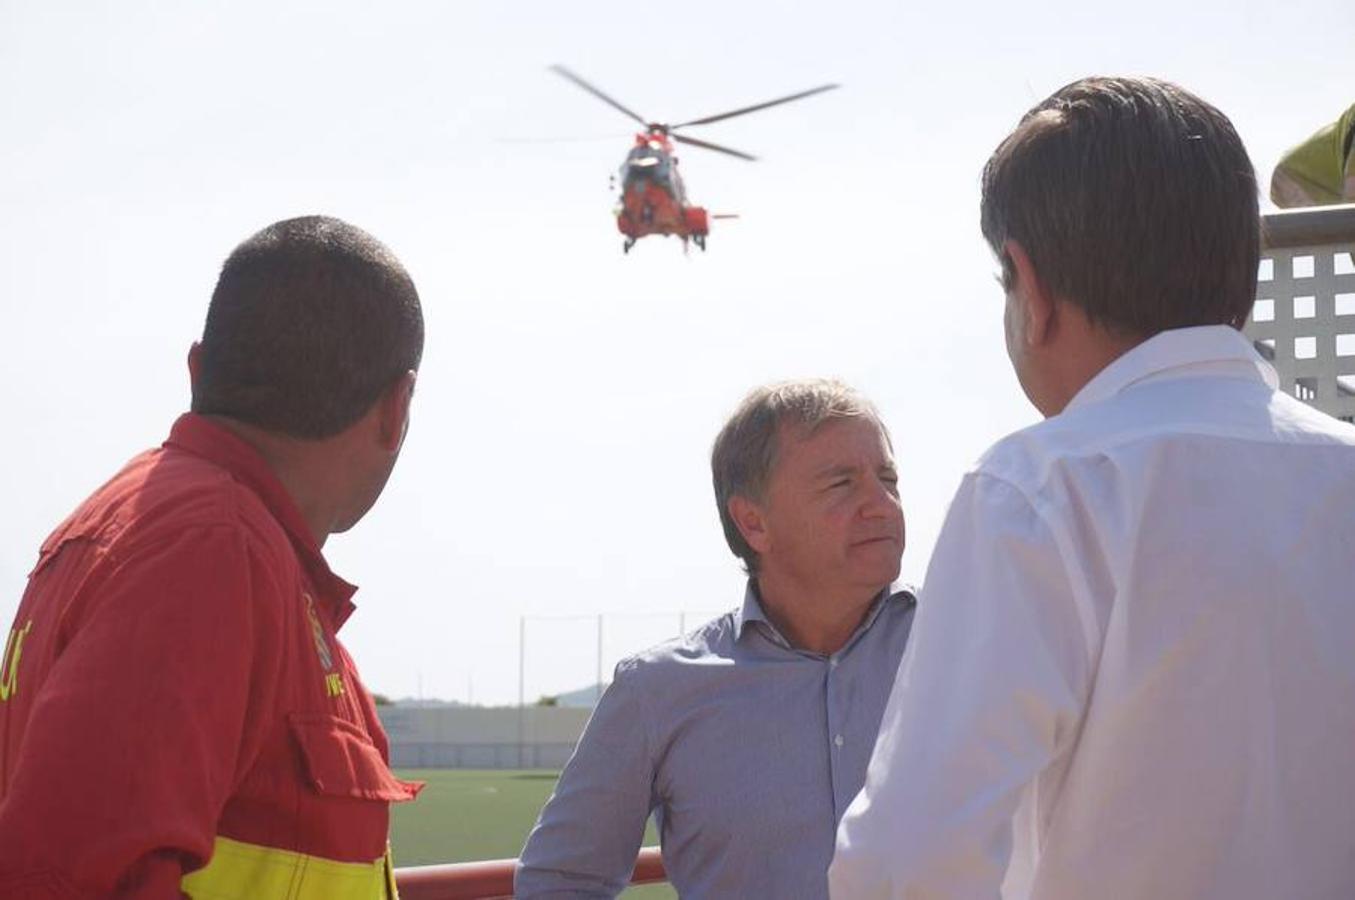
{"x":467,"y":814}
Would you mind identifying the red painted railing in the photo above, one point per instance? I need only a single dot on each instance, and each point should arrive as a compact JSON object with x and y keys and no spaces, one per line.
{"x":493,"y":879}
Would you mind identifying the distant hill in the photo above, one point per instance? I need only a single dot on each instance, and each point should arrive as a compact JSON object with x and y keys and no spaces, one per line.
{"x":583,"y":698}
{"x":425,"y":702}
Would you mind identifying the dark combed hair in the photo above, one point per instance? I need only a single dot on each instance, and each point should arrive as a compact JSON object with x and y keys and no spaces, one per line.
{"x":1135,"y":200}
{"x":311,"y":320}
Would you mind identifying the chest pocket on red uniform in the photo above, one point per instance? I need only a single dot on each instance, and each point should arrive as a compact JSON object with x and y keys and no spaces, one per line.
{"x":340,"y":850}
{"x":341,"y":761}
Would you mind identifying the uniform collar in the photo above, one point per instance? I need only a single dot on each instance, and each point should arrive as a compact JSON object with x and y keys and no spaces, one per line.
{"x":1212,"y":349}
{"x":203,"y":438}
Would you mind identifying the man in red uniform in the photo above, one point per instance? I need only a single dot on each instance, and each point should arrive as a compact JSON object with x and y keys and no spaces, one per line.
{"x":176,"y":713}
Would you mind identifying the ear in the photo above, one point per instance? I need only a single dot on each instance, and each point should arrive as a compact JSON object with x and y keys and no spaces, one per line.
{"x":194,"y":363}
{"x":1036,"y":303}
{"x":393,"y":412}
{"x":748,"y":518}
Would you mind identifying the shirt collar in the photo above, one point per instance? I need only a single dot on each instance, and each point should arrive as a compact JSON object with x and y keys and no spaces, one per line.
{"x":201,"y":437}
{"x":1175,"y":351}
{"x":752,"y":611}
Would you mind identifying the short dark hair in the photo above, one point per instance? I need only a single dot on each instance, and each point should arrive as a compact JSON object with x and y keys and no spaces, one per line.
{"x":1135,"y":200}
{"x":744,"y":453}
{"x":311,"y":320}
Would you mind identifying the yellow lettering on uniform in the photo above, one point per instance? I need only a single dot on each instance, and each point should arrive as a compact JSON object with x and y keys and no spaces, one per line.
{"x":9,"y":663}
{"x":4,"y":666}
{"x":334,"y":684}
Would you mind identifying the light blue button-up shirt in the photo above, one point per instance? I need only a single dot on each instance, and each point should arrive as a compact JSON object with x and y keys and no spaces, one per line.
{"x":747,"y":750}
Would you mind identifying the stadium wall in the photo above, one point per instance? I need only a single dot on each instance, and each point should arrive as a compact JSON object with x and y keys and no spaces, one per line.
{"x":472,"y":737}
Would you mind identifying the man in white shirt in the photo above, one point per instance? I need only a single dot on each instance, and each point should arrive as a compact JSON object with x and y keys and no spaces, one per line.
{"x":1132,"y":672}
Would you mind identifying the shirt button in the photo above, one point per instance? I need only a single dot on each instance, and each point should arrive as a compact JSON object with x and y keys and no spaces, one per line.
{"x":837,"y":741}
{"x":832,"y":663}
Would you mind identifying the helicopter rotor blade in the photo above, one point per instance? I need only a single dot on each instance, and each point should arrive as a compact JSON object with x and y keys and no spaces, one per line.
{"x":549,"y":139}
{"x":565,"y":73}
{"x":748,"y":109}
{"x":682,"y":138}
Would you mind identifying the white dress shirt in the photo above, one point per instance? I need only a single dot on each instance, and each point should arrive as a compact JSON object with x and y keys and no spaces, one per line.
{"x":1132,"y":671}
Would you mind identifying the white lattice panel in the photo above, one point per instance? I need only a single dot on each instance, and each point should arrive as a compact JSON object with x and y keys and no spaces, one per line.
{"x":1304,"y":321}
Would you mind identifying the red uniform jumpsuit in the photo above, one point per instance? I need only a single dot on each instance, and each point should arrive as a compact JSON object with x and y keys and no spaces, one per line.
{"x":176,"y":714}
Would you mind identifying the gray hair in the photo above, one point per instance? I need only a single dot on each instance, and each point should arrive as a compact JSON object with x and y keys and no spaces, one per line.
{"x":745,"y":451}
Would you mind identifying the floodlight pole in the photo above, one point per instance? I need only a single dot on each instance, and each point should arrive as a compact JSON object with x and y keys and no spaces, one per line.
{"x":522,"y":684}
{"x":597,"y":685}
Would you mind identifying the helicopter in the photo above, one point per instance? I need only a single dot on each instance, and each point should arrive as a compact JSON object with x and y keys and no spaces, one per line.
{"x":653,"y":197}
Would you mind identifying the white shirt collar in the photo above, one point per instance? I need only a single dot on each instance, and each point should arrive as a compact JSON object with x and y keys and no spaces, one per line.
{"x":1180,"y":348}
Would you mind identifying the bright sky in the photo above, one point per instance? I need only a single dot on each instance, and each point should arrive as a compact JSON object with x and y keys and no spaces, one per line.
{"x":557,"y":463}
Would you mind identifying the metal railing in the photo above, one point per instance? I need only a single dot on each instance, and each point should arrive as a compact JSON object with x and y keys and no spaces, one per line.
{"x":493,"y":879}
{"x":1311,"y":226}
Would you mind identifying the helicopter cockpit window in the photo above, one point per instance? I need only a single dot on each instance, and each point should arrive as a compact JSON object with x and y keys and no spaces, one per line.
{"x":645,"y":163}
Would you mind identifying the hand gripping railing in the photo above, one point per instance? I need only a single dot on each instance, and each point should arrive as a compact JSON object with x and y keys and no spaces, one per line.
{"x":493,"y":879}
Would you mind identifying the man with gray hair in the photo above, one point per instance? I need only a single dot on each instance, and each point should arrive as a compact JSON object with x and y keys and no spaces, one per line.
{"x":748,"y":737}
